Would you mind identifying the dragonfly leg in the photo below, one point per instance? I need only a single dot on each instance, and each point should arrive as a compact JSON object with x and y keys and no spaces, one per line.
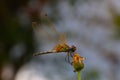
{"x":66,"y":58}
{"x":71,"y":54}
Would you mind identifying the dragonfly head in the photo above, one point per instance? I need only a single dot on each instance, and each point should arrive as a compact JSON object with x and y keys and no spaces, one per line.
{"x":73,"y":48}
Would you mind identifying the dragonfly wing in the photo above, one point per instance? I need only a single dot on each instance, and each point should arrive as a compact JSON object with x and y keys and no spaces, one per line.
{"x":60,"y":38}
{"x":63,"y":39}
{"x":46,"y":29}
{"x":49,"y":24}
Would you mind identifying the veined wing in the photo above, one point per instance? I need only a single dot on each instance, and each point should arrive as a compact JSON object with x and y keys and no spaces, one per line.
{"x":61,"y":43}
{"x":63,"y":39}
{"x":49,"y":24}
{"x":45,"y":28}
{"x":50,"y":28}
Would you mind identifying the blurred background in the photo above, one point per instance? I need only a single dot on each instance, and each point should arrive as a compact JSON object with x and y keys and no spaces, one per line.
{"x":93,"y":26}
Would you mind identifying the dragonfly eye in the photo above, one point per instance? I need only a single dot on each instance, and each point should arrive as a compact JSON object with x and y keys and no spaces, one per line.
{"x":73,"y":48}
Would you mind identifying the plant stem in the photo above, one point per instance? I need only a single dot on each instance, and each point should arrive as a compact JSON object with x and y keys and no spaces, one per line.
{"x":79,"y":75}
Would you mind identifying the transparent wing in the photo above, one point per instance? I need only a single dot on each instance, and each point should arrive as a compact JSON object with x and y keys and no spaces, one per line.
{"x":45,"y":27}
{"x":49,"y":24}
{"x":39,"y":30}
{"x":63,"y":39}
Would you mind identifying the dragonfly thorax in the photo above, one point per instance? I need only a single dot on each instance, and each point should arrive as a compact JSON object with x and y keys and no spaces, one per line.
{"x":73,"y":48}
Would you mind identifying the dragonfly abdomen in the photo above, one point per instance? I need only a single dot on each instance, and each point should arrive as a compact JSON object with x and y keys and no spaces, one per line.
{"x":45,"y":52}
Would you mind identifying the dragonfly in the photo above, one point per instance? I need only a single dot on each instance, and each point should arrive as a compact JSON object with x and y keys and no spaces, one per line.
{"x":62,"y":45}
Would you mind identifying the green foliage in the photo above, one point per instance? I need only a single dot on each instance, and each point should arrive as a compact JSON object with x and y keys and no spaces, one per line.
{"x":79,"y":75}
{"x":91,"y":75}
{"x":116,"y":20}
{"x":72,"y":2}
